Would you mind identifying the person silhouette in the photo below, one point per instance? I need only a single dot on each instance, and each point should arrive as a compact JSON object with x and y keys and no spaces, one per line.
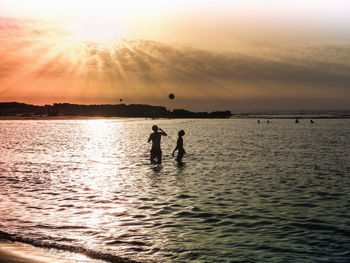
{"x":156,"y":152}
{"x":179,"y":147}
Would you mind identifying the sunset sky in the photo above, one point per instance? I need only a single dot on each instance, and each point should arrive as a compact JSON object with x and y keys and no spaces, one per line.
{"x":212,"y":55}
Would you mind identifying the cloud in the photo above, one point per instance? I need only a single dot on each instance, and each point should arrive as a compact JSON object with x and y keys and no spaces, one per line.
{"x":34,"y":54}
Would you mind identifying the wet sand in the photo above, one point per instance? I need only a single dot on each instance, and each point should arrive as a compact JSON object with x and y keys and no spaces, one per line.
{"x":11,"y":252}
{"x":15,"y":252}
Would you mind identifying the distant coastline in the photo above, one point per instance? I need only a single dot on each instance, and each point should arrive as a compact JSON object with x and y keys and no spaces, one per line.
{"x":16,"y":110}
{"x":292,"y":114}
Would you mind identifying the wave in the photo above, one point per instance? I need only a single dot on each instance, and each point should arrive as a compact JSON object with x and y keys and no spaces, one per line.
{"x":75,"y":249}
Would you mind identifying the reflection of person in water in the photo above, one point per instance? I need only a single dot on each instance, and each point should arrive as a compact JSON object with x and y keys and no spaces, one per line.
{"x":155,"y":137}
{"x":179,"y":147}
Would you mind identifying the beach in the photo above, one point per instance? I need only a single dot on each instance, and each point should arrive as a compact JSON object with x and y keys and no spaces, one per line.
{"x":14,"y":252}
{"x":17,"y":252}
{"x":174,"y":131}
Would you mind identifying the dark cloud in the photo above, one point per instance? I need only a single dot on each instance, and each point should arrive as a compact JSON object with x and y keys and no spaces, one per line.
{"x":180,"y":64}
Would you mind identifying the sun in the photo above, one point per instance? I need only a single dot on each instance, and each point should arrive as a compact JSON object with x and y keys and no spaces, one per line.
{"x":93,"y":29}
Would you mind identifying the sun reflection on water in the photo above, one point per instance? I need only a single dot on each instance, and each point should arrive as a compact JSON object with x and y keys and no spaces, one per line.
{"x":92,"y":187}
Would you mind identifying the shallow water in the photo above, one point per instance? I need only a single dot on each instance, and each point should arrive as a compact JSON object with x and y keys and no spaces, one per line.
{"x":248,"y":192}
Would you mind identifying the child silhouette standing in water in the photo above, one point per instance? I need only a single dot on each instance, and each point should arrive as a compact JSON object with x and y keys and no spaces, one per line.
{"x":179,"y":147}
{"x":155,"y":137}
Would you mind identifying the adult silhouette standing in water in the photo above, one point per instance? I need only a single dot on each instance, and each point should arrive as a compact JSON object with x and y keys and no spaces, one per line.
{"x":156,"y":152}
{"x":179,"y":147}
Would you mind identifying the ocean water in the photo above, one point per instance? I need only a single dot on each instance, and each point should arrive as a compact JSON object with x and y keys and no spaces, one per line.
{"x":248,"y":192}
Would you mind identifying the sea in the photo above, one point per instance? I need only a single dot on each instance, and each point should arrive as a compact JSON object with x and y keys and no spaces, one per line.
{"x":274,"y":191}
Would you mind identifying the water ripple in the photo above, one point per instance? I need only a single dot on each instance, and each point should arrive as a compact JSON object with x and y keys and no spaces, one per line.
{"x":246,"y":193}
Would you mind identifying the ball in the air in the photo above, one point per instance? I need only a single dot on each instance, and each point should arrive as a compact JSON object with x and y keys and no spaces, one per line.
{"x":171,"y":96}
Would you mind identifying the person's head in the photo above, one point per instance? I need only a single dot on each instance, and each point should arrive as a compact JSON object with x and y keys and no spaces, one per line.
{"x":181,"y":133}
{"x":155,"y":128}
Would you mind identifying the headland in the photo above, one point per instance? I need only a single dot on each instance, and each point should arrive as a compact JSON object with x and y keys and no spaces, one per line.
{"x":16,"y":110}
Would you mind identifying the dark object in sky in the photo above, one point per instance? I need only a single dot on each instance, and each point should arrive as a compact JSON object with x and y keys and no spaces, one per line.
{"x":121,"y":100}
{"x":171,"y":96}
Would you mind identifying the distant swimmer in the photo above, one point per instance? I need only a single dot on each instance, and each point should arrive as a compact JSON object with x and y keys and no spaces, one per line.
{"x":311,"y":121}
{"x":179,"y":147}
{"x":258,"y":121}
{"x":156,"y":152}
{"x":296,"y":120}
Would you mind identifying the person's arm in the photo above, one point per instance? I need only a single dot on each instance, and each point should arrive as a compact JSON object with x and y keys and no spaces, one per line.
{"x":149,"y":139}
{"x":176,"y":148}
{"x":162,"y":132}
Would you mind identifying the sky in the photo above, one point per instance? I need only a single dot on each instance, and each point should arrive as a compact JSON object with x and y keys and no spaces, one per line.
{"x":213,"y":55}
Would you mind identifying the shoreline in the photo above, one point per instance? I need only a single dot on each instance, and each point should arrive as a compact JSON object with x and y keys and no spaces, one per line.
{"x":12,"y":251}
{"x":9,"y":118}
{"x":18,"y":252}
{"x":15,"y":252}
{"x":234,"y":116}
{"x":288,"y":117}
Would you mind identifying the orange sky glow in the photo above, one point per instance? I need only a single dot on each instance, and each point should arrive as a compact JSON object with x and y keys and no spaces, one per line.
{"x":212,"y":55}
